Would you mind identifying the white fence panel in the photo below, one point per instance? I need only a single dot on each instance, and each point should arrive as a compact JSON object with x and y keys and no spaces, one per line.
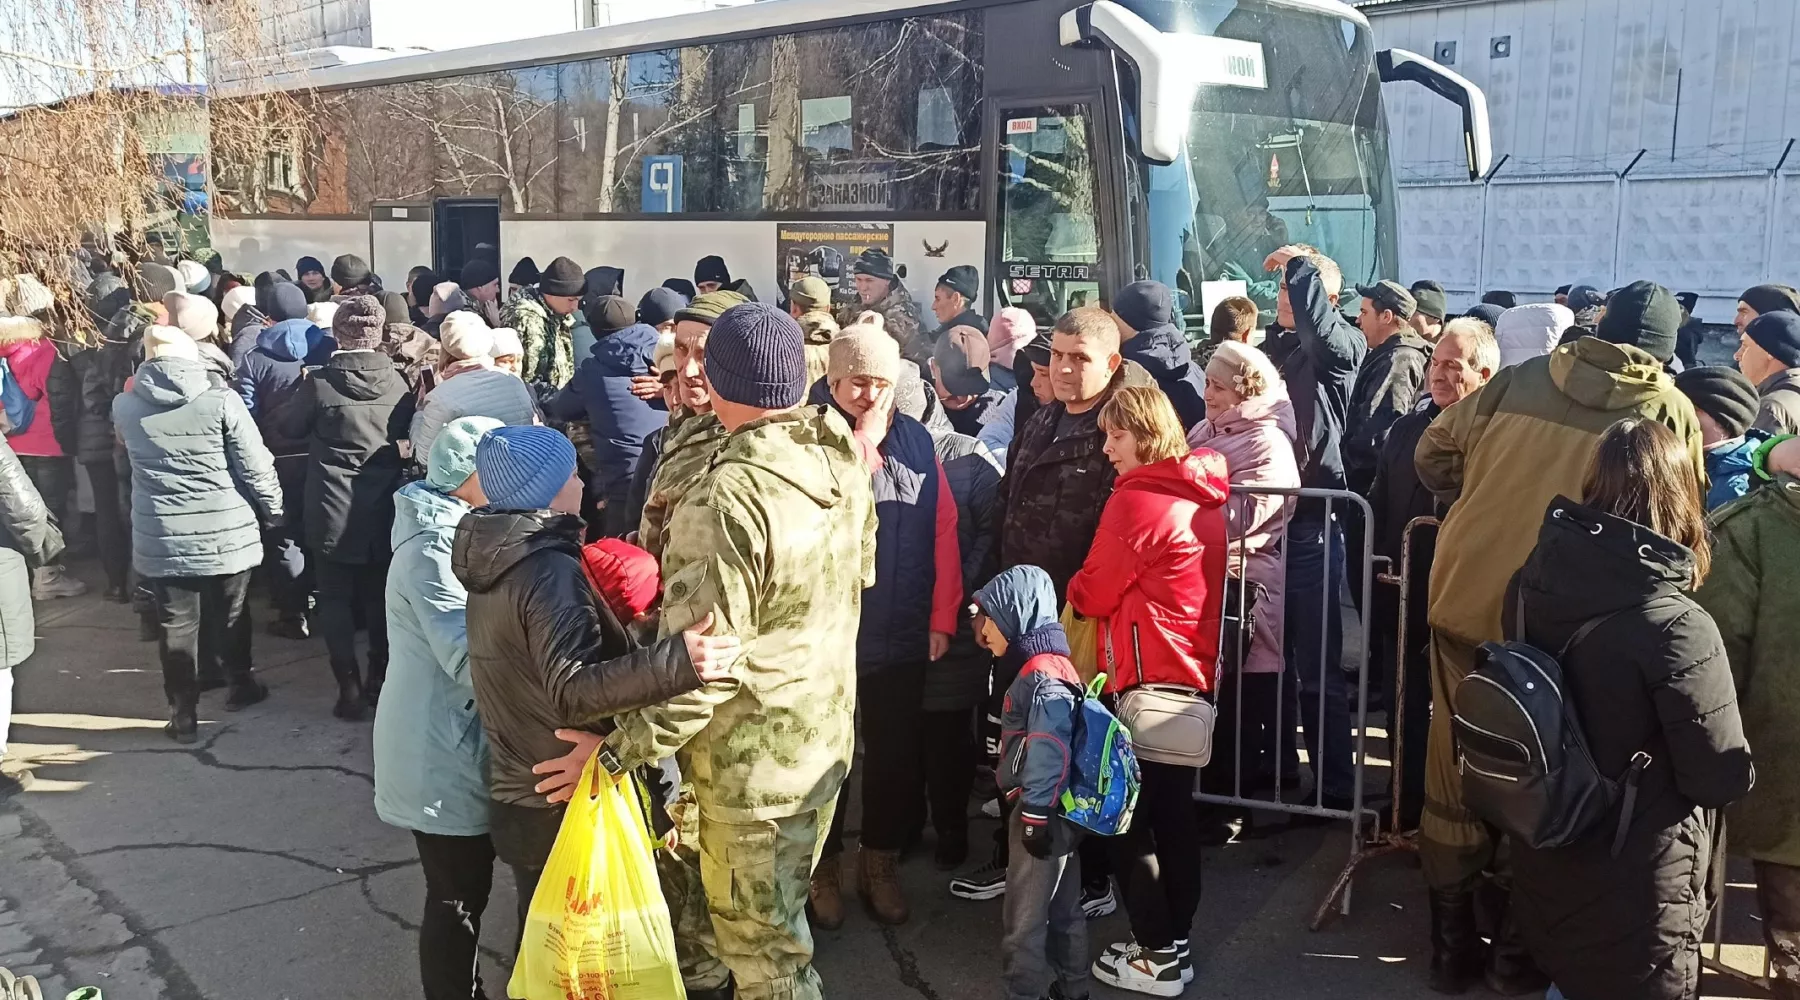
{"x":1544,"y":234}
{"x":1701,"y":234}
{"x":1440,"y":234}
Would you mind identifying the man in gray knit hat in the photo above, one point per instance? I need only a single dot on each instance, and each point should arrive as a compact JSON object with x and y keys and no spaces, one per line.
{"x":777,"y":539}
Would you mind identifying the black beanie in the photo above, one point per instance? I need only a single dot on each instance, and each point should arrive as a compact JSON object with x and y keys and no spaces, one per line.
{"x":525,"y":272}
{"x":876,"y":263}
{"x":286,"y":301}
{"x":604,"y":280}
{"x":609,"y":314}
{"x":963,"y":280}
{"x":349,"y":271}
{"x":1645,"y":315}
{"x":1144,"y":304}
{"x":478,"y":272}
{"x":308,"y":265}
{"x":659,"y":305}
{"x":1723,"y":394}
{"x":682,"y":287}
{"x":1778,"y":333}
{"x":712,"y":268}
{"x":421,"y":288}
{"x":1487,"y":312}
{"x":1502,"y":298}
{"x":562,"y":277}
{"x":1431,"y":300}
{"x":1771,"y":298}
{"x":756,"y":356}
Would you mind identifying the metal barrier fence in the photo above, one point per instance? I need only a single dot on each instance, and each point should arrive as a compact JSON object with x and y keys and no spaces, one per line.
{"x":1283,"y":735}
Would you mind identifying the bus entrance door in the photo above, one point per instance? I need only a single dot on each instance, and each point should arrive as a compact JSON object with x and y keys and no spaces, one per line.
{"x":459,"y":226}
{"x":1048,"y":246}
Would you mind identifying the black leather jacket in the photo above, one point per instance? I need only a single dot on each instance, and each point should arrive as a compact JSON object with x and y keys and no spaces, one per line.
{"x":25,"y":525}
{"x":544,"y":653}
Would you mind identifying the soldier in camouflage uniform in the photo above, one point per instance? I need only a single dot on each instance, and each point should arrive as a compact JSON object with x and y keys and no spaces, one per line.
{"x":879,"y":289}
{"x":777,"y":539}
{"x":694,"y":434}
{"x":544,"y":316}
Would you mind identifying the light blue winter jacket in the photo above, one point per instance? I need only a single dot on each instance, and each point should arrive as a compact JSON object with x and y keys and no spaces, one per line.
{"x":430,"y":751}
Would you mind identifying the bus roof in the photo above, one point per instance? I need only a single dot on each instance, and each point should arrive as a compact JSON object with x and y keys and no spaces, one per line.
{"x":765,"y":17}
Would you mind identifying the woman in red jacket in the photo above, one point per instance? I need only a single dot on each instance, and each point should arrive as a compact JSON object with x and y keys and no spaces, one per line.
{"x":1155,"y":576}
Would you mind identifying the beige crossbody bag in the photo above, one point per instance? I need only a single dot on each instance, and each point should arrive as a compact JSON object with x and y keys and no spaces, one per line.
{"x":1169,"y":723}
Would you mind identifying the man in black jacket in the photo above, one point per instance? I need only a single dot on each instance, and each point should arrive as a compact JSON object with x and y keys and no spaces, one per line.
{"x":1389,"y":380}
{"x":1318,"y":353}
{"x":1466,"y":356}
{"x":545,"y":656}
{"x":1150,"y":335}
{"x":953,"y":301}
{"x":354,"y":411}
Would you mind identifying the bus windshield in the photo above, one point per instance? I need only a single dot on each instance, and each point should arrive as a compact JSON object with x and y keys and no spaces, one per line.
{"x":1302,"y":160}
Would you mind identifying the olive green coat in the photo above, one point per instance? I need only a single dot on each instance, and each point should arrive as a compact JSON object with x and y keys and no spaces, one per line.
{"x":1753,"y":593}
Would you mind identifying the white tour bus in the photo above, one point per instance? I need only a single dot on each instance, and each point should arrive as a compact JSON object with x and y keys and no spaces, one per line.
{"x":1063,"y":148}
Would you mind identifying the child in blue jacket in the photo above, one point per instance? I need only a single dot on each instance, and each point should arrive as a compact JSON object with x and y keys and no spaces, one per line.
{"x":1045,"y":936}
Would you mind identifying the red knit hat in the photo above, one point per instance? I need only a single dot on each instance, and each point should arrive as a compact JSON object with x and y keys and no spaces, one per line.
{"x":625,"y":576}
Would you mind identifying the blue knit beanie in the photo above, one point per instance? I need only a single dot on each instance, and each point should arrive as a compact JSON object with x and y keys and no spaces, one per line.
{"x":756,"y":356}
{"x":523,"y":468}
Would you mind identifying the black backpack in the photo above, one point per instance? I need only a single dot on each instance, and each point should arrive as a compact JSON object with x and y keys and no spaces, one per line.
{"x":1521,"y":751}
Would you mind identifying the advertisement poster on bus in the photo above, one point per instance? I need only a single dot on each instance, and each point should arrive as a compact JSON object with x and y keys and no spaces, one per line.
{"x":826,"y":250}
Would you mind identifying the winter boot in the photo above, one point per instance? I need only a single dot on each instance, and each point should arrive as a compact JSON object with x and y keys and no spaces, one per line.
{"x":246,"y":693}
{"x":352,"y":705}
{"x":372,"y":682}
{"x":1456,"y":949}
{"x":878,"y":883}
{"x":1510,"y":969}
{"x":826,"y":898}
{"x":184,"y":726}
{"x":292,"y":625}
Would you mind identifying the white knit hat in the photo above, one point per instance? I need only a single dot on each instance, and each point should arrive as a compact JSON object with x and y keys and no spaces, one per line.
{"x":863,"y":348}
{"x":320,"y":314}
{"x":465,"y":336}
{"x":507,"y":343}
{"x":239,"y":297}
{"x":193,"y":315}
{"x":194,"y":276}
{"x":169,"y":342}
{"x":29,"y":296}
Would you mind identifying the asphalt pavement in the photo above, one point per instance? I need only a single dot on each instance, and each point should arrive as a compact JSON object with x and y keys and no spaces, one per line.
{"x":251,"y":866}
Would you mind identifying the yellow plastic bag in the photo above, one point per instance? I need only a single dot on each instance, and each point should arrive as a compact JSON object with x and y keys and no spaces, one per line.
{"x":598,"y":928}
{"x":1084,"y":642}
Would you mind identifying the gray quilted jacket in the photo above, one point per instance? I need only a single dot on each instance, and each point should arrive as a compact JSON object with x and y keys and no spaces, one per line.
{"x":202,"y":484}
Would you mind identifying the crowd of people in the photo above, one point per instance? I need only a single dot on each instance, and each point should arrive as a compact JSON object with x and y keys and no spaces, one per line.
{"x":730,"y":546}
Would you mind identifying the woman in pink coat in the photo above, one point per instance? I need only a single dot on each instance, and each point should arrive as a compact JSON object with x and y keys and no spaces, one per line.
{"x":1250,"y":421}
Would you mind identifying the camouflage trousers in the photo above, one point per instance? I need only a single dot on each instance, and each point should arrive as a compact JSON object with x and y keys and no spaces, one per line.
{"x":679,"y":870}
{"x":1455,"y":846}
{"x":755,"y":877}
{"x":1778,"y":896}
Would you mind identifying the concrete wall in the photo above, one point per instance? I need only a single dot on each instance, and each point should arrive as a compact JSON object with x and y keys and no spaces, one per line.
{"x":1708,"y":90}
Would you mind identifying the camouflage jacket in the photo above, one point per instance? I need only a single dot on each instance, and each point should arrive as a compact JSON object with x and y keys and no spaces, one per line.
{"x":777,"y":540}
{"x":900,"y":317}
{"x":1056,"y":486}
{"x":549,"y":347}
{"x":688,"y":449}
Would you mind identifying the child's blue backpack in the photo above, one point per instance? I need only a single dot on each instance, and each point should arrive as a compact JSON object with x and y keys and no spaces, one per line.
{"x":1103,"y":771}
{"x":20,"y":408}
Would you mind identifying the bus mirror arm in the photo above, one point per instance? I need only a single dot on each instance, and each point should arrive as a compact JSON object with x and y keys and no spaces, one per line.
{"x":1478,"y":143}
{"x":1166,"y":86}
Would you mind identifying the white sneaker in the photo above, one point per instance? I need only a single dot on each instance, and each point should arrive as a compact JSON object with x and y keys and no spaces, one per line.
{"x":1142,"y":970}
{"x":1114,"y":952}
{"x":52,"y":582}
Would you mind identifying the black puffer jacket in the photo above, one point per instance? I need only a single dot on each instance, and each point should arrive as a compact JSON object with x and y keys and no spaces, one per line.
{"x":543,"y":653}
{"x":103,"y":371}
{"x":1653,"y":678}
{"x":959,"y":680}
{"x":355,"y":411}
